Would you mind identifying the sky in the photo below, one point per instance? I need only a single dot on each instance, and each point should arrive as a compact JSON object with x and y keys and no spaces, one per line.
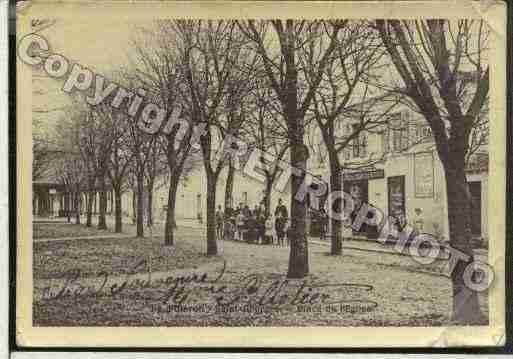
{"x":100,"y":46}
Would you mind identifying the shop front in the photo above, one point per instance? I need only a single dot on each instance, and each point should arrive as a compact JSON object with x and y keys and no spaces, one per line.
{"x":357,"y":184}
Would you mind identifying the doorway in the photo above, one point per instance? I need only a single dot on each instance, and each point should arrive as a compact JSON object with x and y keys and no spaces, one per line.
{"x":396,"y":197}
{"x":359,"y":190}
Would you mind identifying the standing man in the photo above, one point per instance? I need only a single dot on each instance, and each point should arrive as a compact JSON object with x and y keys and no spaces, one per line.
{"x":258,"y":210}
{"x":323,"y":223}
{"x":281,"y":215}
{"x":281,"y":210}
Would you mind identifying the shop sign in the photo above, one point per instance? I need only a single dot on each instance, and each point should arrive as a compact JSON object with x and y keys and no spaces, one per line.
{"x":363,"y":175}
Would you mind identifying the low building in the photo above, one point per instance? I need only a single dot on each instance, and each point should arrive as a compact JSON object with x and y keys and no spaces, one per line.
{"x":46,"y":198}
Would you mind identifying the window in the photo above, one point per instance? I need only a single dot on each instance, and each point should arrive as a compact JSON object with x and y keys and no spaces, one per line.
{"x":385,"y":141}
{"x":399,"y":139}
{"x":363,"y":145}
{"x":398,"y":131}
{"x":359,"y":144}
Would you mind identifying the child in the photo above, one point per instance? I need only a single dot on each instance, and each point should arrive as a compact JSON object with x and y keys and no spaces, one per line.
{"x":269,"y":230}
{"x":418,"y":221}
{"x":240,"y":226}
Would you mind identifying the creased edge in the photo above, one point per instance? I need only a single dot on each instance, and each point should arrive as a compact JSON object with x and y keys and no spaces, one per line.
{"x":493,"y":12}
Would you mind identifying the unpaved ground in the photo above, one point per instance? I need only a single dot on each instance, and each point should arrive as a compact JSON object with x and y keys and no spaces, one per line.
{"x":366,"y":288}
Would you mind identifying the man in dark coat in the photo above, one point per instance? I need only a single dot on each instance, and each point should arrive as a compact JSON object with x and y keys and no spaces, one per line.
{"x":281,"y":210}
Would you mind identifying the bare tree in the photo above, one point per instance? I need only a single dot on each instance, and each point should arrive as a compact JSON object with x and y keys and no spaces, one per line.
{"x":88,"y":137}
{"x":237,"y":108}
{"x":295,"y":95}
{"x":42,"y":156}
{"x":432,"y":57}
{"x":266,"y":131}
{"x":159,"y":73}
{"x":106,"y":121}
{"x":140,"y":144}
{"x":119,"y":164}
{"x":68,"y":166}
{"x":70,"y":172}
{"x":212,"y":57}
{"x":344,"y":99}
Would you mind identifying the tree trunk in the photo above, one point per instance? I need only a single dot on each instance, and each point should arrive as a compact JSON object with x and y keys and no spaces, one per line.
{"x":267,"y":195}
{"x":336,"y":224}
{"x":68,"y":200}
{"x":228,"y":193}
{"x":95,"y":199}
{"x":140,"y":206}
{"x":118,"y":218}
{"x":89,"y":220}
{"x":150,"y":205}
{"x":465,"y":301}
{"x":211,"y":215}
{"x":298,"y":260}
{"x":134,"y":205}
{"x":102,"y":222}
{"x":169,"y":238}
{"x":111,"y":202}
{"x":78,"y":200}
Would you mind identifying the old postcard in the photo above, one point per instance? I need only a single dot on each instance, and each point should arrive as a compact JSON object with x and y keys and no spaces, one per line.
{"x":261,"y":174}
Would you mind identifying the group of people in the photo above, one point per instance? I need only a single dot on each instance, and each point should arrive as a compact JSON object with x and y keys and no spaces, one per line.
{"x":254,"y":226}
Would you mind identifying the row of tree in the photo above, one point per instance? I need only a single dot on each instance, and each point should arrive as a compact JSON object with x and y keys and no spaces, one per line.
{"x":268,"y":83}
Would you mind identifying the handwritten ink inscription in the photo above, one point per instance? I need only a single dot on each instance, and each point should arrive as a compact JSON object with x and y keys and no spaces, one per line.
{"x":185,"y":292}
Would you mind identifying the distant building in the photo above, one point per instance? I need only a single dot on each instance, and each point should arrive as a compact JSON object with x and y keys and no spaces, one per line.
{"x":46,"y":198}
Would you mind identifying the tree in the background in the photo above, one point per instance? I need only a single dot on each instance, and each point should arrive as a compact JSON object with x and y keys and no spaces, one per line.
{"x":216,"y":66}
{"x":140,"y":144}
{"x":68,"y":166}
{"x":266,"y":131}
{"x":120,"y":160}
{"x":434,"y":59}
{"x":88,"y":154}
{"x":155,"y":168}
{"x":237,"y":109}
{"x":70,"y":172}
{"x":105,"y":121}
{"x":157,"y":71}
{"x":279,"y":43}
{"x":345,"y":100}
{"x":42,"y":156}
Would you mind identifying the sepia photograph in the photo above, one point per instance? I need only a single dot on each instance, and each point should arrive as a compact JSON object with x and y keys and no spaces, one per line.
{"x":217,"y":170}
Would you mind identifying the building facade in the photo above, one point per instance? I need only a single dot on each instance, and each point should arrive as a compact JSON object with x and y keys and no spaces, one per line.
{"x":397,"y":170}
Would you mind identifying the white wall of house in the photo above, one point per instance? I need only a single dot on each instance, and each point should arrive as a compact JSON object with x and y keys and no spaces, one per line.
{"x":191,"y":198}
